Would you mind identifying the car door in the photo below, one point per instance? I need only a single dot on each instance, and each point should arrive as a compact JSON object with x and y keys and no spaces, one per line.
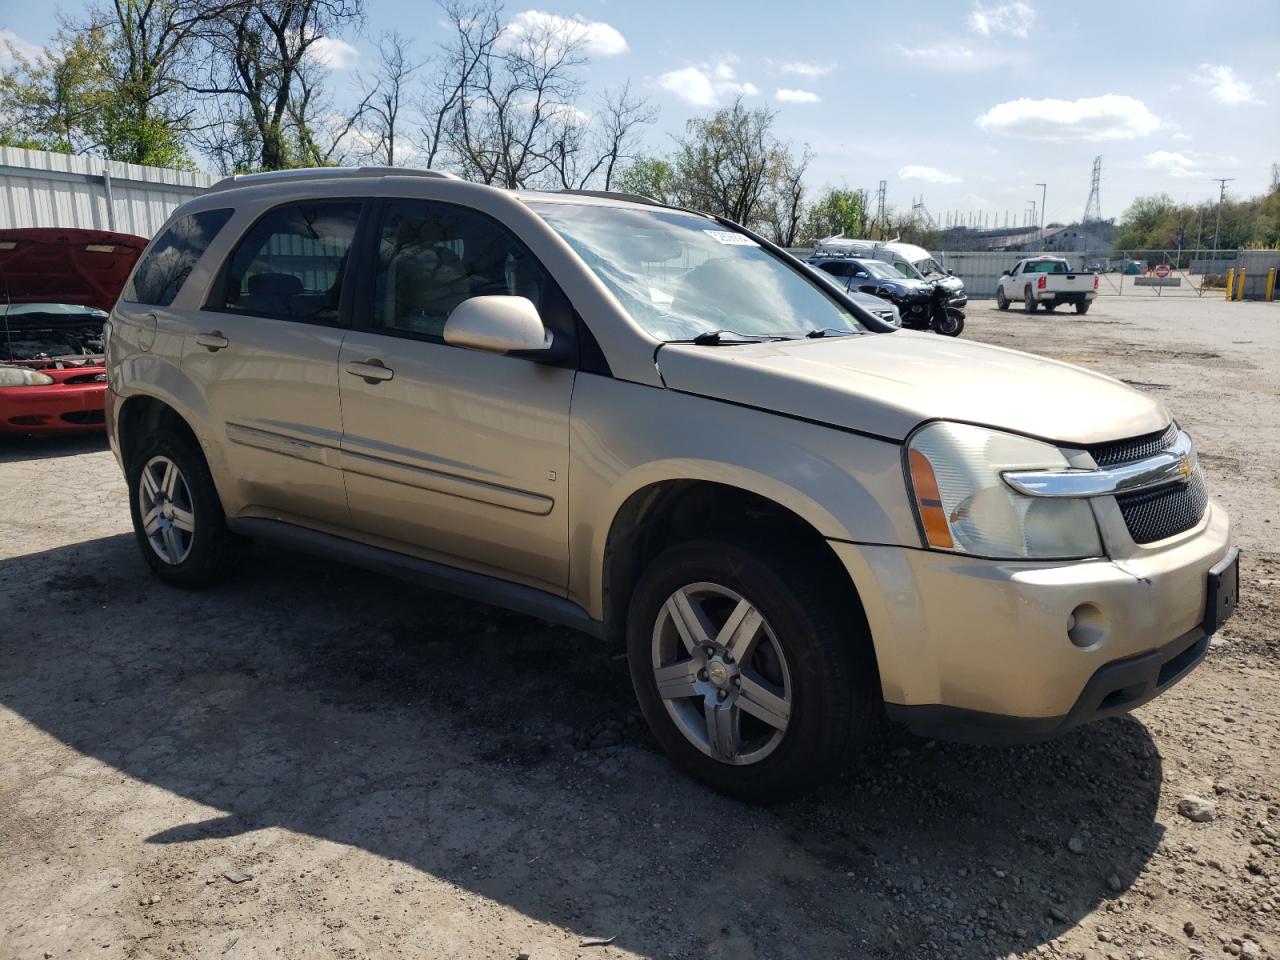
{"x":457,"y":455}
{"x":265,"y":354}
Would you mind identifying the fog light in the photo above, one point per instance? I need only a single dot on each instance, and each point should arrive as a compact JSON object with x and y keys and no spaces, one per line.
{"x":1088,"y":626}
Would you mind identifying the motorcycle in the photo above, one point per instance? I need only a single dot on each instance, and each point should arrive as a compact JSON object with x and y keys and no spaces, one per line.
{"x":923,"y":305}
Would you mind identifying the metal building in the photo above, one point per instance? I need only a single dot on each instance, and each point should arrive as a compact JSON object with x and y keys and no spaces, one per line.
{"x":41,"y":189}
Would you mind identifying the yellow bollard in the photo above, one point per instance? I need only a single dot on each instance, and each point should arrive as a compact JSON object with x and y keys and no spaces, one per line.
{"x":1271,"y":285}
{"x":1231,"y":282}
{"x":1240,"y":285}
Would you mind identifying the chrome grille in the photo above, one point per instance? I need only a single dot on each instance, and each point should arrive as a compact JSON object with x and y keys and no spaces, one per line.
{"x":1136,"y":448}
{"x":1153,"y":515}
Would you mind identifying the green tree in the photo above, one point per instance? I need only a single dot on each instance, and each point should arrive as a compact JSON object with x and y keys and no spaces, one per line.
{"x":58,"y":99}
{"x":838,"y":210}
{"x":648,"y":177}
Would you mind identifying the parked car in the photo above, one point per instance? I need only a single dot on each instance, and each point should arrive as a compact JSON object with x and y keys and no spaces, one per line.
{"x":1047,"y":282}
{"x":56,"y":287}
{"x":918,"y":302}
{"x":909,"y":260}
{"x":659,"y":428}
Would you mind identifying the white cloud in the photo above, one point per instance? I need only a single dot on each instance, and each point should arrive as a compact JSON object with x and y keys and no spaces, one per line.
{"x":1181,"y":136}
{"x":706,"y":85}
{"x":599,"y":39}
{"x":1109,"y":117}
{"x":22,"y":47}
{"x":1015,"y":19}
{"x":335,"y":53}
{"x":1173,"y":164}
{"x":916,"y":171}
{"x":948,"y":56}
{"x":1224,"y":86}
{"x":811,"y":70}
{"x":785,"y":95}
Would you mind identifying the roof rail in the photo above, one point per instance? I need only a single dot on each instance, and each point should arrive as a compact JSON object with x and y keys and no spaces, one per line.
{"x":325,"y":173}
{"x":616,"y":195}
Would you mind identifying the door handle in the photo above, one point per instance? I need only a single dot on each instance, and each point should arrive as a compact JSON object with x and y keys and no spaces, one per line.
{"x":372,"y":370}
{"x":213,"y":341}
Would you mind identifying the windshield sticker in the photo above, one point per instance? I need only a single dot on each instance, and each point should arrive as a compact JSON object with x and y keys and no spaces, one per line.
{"x":729,"y":238}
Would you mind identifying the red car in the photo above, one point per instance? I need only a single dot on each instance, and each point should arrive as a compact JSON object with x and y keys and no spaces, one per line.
{"x":56,"y":287}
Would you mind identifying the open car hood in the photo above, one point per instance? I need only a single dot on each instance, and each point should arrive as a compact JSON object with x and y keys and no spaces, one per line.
{"x":887,"y":384}
{"x":80,"y":267}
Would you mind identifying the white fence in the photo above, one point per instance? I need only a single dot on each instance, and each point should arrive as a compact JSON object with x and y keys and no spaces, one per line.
{"x":40,"y":189}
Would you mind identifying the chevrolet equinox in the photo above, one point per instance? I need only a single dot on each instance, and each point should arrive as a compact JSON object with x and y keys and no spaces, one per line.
{"x":655,"y":426}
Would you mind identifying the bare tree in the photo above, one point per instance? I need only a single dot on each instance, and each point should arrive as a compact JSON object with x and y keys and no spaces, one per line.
{"x":784,"y":209}
{"x":590,"y":150}
{"x":381,"y":119}
{"x":256,"y":72}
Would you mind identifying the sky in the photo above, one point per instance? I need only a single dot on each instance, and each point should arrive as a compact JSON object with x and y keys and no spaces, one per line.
{"x":967,"y":105}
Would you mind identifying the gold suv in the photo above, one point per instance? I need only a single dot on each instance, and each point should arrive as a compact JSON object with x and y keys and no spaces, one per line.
{"x":656,"y":427}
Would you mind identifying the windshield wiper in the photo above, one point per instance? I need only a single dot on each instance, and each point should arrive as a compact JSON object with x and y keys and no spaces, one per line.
{"x":713,"y":338}
{"x":831,"y":331}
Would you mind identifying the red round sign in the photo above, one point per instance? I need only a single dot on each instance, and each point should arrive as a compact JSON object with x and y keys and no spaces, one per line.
{"x":1162,"y":271}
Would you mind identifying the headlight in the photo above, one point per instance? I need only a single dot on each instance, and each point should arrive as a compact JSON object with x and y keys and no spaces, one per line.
{"x":23,"y":377}
{"x":964,"y":505}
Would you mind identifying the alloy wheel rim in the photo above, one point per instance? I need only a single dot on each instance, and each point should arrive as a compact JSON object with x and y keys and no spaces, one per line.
{"x":164,"y":503}
{"x":721,"y":674}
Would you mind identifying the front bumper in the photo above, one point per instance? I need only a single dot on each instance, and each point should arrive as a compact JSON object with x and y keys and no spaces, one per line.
{"x":969,"y":644}
{"x":55,"y":408}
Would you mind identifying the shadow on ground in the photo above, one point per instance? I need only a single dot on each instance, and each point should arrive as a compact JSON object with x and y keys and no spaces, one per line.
{"x":14,"y":448}
{"x":450,"y":736}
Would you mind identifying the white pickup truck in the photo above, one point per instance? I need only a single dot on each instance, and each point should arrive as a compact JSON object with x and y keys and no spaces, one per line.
{"x":1047,"y":281}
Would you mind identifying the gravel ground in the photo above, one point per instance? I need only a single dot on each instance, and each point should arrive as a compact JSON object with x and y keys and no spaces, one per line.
{"x":312,"y":761}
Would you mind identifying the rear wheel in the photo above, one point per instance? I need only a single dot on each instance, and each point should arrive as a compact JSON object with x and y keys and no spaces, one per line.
{"x":756,"y":677}
{"x":1082,"y":308}
{"x":1028,"y":300}
{"x":1002,"y":302}
{"x":177,"y":516}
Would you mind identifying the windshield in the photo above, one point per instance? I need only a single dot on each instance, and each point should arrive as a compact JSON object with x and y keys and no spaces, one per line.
{"x":928,"y":267}
{"x":880,"y":270}
{"x":680,"y":275}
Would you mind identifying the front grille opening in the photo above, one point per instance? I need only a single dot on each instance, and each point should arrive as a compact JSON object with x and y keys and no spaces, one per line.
{"x":1135,"y":448}
{"x":1153,"y":515}
{"x":1119,"y":699}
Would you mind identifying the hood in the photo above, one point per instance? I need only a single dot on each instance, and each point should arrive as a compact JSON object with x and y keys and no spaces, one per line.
{"x":887,"y":384}
{"x":81,"y":267}
{"x":948,"y":282}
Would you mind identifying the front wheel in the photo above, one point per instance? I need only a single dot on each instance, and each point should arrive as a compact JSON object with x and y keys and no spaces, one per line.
{"x":177,"y":516}
{"x":756,"y":676}
{"x":1002,"y":302}
{"x":949,"y":322}
{"x":1082,"y":308}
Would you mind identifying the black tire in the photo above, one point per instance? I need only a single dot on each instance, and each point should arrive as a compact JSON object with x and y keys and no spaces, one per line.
{"x":835,"y":702}
{"x":212,"y":551}
{"x":952,"y":325}
{"x":1028,"y":300}
{"x":1082,"y":308}
{"x":1002,"y":302}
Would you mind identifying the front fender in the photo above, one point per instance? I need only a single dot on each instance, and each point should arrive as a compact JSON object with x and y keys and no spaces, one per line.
{"x":626,"y":437}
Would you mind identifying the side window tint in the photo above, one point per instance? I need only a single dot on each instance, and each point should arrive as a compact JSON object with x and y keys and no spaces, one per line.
{"x":291,"y":263}
{"x":904,"y":269}
{"x":170,"y":261}
{"x":433,"y":256}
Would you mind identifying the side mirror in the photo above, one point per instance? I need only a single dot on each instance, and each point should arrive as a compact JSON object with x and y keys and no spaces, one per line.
{"x":861,"y":275}
{"x":951,"y":273}
{"x":499,"y":324}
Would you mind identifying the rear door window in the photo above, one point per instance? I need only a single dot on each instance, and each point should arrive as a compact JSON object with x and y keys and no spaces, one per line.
{"x":165,"y":268}
{"x":291,"y":263}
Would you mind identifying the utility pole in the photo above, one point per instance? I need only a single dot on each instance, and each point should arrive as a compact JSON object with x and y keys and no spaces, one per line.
{"x":1044,"y":192}
{"x":1222,"y":195}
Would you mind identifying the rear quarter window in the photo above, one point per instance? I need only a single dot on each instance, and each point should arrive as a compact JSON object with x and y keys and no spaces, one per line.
{"x":165,"y":268}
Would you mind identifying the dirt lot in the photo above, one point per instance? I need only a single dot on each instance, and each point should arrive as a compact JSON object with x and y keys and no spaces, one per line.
{"x":401,"y":774}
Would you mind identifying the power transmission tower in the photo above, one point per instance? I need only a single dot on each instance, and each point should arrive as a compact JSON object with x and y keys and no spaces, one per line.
{"x":920,"y":212}
{"x":882,"y":219}
{"x":1093,"y":206}
{"x":1275,"y":176}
